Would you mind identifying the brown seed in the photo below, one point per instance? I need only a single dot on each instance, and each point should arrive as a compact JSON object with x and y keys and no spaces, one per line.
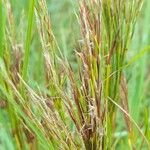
{"x":3,"y":104}
{"x":29,"y":135}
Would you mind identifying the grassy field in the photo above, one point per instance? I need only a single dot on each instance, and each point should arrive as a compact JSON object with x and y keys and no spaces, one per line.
{"x":74,"y":75}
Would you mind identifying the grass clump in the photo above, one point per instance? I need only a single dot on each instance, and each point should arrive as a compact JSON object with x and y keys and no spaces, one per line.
{"x":76,"y":104}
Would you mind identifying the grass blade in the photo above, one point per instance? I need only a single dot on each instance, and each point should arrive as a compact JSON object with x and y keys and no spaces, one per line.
{"x":1,"y":28}
{"x":28,"y":38}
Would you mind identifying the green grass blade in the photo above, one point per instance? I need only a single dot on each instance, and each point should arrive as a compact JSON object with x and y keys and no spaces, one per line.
{"x":28,"y":38}
{"x":1,"y":29}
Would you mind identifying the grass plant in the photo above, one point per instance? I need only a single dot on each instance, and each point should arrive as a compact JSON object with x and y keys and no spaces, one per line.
{"x":67,"y":84}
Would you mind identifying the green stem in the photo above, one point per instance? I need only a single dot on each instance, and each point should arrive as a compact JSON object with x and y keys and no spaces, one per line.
{"x":107,"y":91}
